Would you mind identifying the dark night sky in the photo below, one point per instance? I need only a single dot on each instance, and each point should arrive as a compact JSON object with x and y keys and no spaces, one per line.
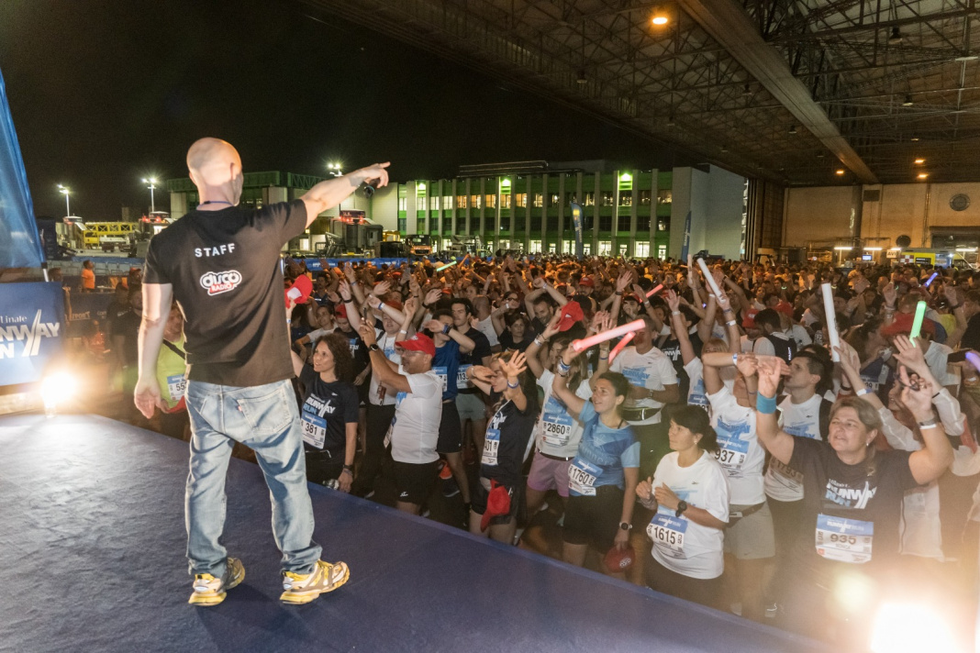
{"x":106,"y":92}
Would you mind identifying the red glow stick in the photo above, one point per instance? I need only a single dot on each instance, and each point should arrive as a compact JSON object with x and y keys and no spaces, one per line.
{"x":655,"y":290}
{"x":585,"y":343}
{"x":622,"y":343}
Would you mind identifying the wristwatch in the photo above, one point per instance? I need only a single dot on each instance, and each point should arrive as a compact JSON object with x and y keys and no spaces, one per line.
{"x":681,"y":507}
{"x":374,"y":347}
{"x":625,"y":526}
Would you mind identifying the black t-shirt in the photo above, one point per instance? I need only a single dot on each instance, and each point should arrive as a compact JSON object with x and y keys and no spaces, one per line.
{"x":225,"y":271}
{"x":357,"y":349}
{"x":327,"y":410}
{"x":971,"y":337}
{"x":507,"y":342}
{"x":115,"y":311}
{"x":843,"y":505}
{"x":127,"y":325}
{"x":480,"y":351}
{"x":508,"y":432}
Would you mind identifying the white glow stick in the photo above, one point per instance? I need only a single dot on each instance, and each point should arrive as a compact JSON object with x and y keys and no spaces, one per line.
{"x":622,"y":343}
{"x":655,"y":290}
{"x":831,"y":319}
{"x":585,"y":343}
{"x":974,"y":359}
{"x":709,"y":277}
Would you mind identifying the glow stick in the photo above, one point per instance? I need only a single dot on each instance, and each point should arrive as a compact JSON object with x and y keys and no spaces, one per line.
{"x":709,"y":277}
{"x":585,"y":343}
{"x":831,"y":318}
{"x":932,"y":278}
{"x":974,"y":359}
{"x":920,"y":314}
{"x":622,"y":343}
{"x":655,"y":290}
{"x":447,"y":265}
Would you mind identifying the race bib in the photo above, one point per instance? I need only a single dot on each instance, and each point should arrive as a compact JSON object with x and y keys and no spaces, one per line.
{"x":462,"y":383}
{"x":668,"y":533}
{"x":732,"y":453}
{"x":491,"y":445}
{"x":314,"y":430}
{"x":176,"y":385}
{"x":443,"y":373}
{"x":557,"y":429}
{"x":582,"y":476}
{"x":844,"y":540}
{"x":637,"y":376}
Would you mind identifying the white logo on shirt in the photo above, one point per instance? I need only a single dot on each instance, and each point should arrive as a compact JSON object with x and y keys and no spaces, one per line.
{"x":219,"y":282}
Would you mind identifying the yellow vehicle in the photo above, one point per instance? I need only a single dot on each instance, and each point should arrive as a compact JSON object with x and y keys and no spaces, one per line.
{"x":109,"y":235}
{"x":926,"y":256}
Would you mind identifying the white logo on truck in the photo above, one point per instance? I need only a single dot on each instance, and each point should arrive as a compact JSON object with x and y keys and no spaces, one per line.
{"x":218,"y":282}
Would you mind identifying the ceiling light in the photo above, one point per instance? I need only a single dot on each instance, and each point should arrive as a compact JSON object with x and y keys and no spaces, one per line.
{"x":746,"y":90}
{"x":908,"y":101}
{"x":896,"y":36}
{"x":581,"y":80}
{"x":659,"y":18}
{"x":724,"y":148}
{"x":923,"y":175}
{"x":820,"y":155}
{"x":919,"y":162}
{"x":670,"y":121}
{"x":840,"y":172}
{"x":792,"y":130}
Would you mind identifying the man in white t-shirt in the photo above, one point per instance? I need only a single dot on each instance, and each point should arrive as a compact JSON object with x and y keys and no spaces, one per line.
{"x":414,"y":431}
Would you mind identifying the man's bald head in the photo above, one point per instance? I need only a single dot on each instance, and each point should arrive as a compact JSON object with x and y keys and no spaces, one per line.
{"x":215,"y":165}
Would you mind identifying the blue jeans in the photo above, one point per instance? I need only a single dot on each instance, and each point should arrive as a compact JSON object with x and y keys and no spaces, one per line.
{"x":266,"y":419}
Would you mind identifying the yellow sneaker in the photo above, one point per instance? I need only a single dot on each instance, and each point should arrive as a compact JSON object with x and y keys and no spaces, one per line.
{"x":303,"y":588}
{"x":209,"y":590}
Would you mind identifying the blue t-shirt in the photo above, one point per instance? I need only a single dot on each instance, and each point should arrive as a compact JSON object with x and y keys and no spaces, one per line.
{"x":445,"y":365}
{"x":602,"y":455}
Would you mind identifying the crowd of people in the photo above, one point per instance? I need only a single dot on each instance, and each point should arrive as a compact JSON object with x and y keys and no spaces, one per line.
{"x":721,"y":451}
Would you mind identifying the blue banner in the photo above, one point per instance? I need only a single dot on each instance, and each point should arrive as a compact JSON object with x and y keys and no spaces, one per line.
{"x":32,"y":318}
{"x":577,"y":223}
{"x":20,"y":246}
{"x":687,"y":237}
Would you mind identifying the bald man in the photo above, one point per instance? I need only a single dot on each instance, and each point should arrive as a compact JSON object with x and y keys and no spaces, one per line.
{"x":221,"y":263}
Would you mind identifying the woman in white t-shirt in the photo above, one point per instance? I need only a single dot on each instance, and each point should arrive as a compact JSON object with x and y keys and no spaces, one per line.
{"x":689,"y":494}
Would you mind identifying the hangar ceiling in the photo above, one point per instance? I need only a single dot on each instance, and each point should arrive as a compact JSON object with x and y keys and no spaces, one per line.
{"x":788,"y":90}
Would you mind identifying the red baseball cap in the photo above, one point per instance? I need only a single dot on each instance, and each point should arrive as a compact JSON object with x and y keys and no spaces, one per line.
{"x":617,"y":560}
{"x":586,"y":281}
{"x":498,"y":503}
{"x":340,"y":311}
{"x":300,"y":290}
{"x":785,"y":308}
{"x":570,"y":314}
{"x":748,"y":322}
{"x":903,"y":324}
{"x":418,"y":342}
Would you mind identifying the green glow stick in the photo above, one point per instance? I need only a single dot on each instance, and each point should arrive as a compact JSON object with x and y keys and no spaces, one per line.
{"x":920,"y":314}
{"x":448,"y":265}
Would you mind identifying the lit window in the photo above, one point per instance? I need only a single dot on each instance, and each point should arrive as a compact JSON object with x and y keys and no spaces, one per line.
{"x":447,"y":202}
{"x":605,"y":247}
{"x":661,"y":251}
{"x":552,"y":248}
{"x":538,"y":200}
{"x":664,"y":197}
{"x":622,"y":249}
{"x":589,"y":199}
{"x":422,"y":203}
{"x":554,"y":200}
{"x":642,"y":250}
{"x":461,"y":201}
{"x":505,"y":201}
{"x":535,"y":247}
{"x":491,"y":201}
{"x":607,"y":198}
{"x":402,"y":203}
{"x":567,"y":246}
{"x":644,"y":198}
{"x":522,"y":200}
{"x":587,"y":249}
{"x":476,"y":201}
{"x":626,"y":199}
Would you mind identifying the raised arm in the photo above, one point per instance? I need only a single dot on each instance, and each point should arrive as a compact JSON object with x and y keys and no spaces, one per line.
{"x":537,"y":347}
{"x":513,"y":369}
{"x":560,"y":388}
{"x":680,"y":331}
{"x":931,"y":462}
{"x":379,"y":364}
{"x":331,"y":192}
{"x":776,"y":441}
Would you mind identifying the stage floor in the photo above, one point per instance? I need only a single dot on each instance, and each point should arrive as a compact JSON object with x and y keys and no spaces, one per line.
{"x":92,"y":559}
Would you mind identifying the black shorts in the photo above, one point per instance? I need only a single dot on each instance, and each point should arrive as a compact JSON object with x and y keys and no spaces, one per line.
{"x":517,"y":504}
{"x":594,"y":520}
{"x":414,"y":482}
{"x":450,"y":432}
{"x":324,"y":466}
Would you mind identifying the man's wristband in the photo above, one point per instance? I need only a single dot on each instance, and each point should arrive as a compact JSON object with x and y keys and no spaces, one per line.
{"x":446,"y":329}
{"x":765,"y":405}
{"x":862,"y":392}
{"x":731,"y":323}
{"x":562,"y":367}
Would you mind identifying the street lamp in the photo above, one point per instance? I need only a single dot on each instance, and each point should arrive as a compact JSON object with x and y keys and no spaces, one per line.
{"x":335,"y":169}
{"x":152,"y":185}
{"x":66,"y":191}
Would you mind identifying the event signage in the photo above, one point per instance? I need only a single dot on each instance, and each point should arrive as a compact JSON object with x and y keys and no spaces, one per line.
{"x":32,"y":317}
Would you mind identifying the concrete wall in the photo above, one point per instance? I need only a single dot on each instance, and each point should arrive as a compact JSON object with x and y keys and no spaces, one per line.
{"x":715,"y":202}
{"x":915,"y":210}
{"x":816,"y":214}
